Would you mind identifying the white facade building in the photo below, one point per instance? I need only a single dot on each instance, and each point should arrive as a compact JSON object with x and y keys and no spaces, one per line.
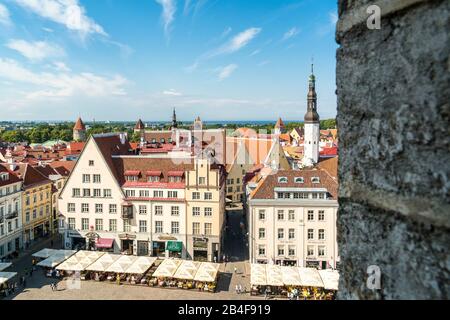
{"x":292,"y":219}
{"x":11,"y":227}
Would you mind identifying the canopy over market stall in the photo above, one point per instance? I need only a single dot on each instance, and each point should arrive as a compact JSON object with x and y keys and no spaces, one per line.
{"x":290,"y":276}
{"x":103,"y":262}
{"x":56,"y":258}
{"x":274,"y":276}
{"x":44,"y":253}
{"x":141,"y":265}
{"x":330,"y":279}
{"x":5,"y":276}
{"x":167,"y":268}
{"x":80,"y":261}
{"x":207,"y":272}
{"x":258,"y":275}
{"x":310,"y":277}
{"x":5,"y":265}
{"x":121,"y":264}
{"x":187,"y":270}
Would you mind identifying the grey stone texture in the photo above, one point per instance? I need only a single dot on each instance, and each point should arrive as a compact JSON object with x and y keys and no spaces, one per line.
{"x":393,"y":88}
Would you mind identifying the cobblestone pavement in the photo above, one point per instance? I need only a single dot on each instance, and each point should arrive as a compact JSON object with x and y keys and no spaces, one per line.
{"x":38,"y":288}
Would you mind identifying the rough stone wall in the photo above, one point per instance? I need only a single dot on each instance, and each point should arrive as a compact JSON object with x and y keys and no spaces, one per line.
{"x":393,"y":87}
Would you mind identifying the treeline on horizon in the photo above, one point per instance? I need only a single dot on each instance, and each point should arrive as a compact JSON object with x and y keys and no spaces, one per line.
{"x":43,"y":132}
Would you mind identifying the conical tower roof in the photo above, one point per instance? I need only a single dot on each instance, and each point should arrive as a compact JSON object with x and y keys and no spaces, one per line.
{"x":79,"y":125}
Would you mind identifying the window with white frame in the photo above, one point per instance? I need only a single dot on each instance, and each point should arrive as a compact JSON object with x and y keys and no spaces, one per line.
{"x":86,"y":178}
{"x":175,"y":210}
{"x":291,"y":215}
{"x":291,"y":234}
{"x":97,"y":193}
{"x":144,"y":193}
{"x":98,"y":224}
{"x":196,"y":228}
{"x":315,"y":180}
{"x":84,"y":224}
{"x":262,"y":215}
{"x":280,"y":215}
{"x":280,"y":233}
{"x":310,"y":215}
{"x":262,"y":250}
{"x":195,"y":211}
{"x":98,"y":208}
{"x":113,"y":208}
{"x":262,"y":233}
{"x":175,"y":227}
{"x":158,"y":210}
{"x":112,"y":225}
{"x":107,"y":193}
{"x":126,"y":225}
{"x":96,"y":178}
{"x":158,"y":194}
{"x":321,"y":215}
{"x":75,"y":193}
{"x":85,"y":207}
{"x":71,"y":207}
{"x":280,"y":250}
{"x":158,"y":227}
{"x":130,"y":193}
{"x":208,"y":212}
{"x":195,"y":195}
{"x":208,"y":195}
{"x":91,"y":163}
{"x":142,"y":226}
{"x":291,"y":251}
{"x":321,"y":251}
{"x":282,"y":180}
{"x":201,"y":180}
{"x":310,"y":234}
{"x":142,"y":209}
{"x":310,"y":251}
{"x":321,"y":234}
{"x":71,"y":223}
{"x":299,"y":180}
{"x":172,"y":194}
{"x":86,"y":192}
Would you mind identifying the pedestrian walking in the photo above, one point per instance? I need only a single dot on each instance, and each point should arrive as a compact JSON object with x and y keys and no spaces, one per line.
{"x":118,"y":279}
{"x":215,"y":259}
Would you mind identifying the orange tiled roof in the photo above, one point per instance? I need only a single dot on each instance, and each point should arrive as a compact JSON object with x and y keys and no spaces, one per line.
{"x":79,"y":125}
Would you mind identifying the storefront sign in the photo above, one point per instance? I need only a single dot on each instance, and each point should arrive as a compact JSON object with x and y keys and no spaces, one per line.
{"x":174,"y":246}
{"x":126,"y":236}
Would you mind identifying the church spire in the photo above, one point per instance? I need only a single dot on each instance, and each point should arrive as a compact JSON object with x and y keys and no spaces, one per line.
{"x":174,"y":120}
{"x":311,"y":113}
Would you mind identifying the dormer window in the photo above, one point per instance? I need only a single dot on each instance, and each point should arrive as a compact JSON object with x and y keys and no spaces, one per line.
{"x":282,"y":180}
{"x":315,"y":180}
{"x":4,"y":176}
{"x":153,"y":176}
{"x":163,"y":140}
{"x":299,"y":180}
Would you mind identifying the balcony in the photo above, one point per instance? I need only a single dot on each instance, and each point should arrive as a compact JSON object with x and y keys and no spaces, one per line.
{"x":11,"y":215}
{"x":127,"y":211}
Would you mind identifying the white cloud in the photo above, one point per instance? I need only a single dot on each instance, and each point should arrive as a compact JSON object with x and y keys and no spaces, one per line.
{"x":290,"y":33}
{"x":226,"y":32}
{"x":169,"y":8}
{"x":35,"y":51}
{"x":255,"y":52}
{"x":67,"y":12}
{"x":4,"y":15}
{"x":54,"y":85}
{"x":237,"y":42}
{"x":61,"y":66}
{"x":171,"y":92}
{"x":225,"y":72}
{"x":192,"y":67}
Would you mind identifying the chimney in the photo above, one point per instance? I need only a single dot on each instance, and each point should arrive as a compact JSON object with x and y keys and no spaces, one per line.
{"x":12,"y":165}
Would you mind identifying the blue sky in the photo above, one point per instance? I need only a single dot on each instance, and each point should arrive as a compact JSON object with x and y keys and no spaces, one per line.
{"x":123,"y":60}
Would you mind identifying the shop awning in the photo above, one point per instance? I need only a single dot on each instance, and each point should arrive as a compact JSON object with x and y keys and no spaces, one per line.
{"x":174,"y":246}
{"x":330,"y":279}
{"x":104,"y":243}
{"x":4,"y":265}
{"x":5,"y":276}
{"x":44,"y":253}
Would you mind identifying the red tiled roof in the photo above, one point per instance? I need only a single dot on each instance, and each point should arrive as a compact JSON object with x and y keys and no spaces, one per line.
{"x":333,"y":151}
{"x":12,"y":178}
{"x":79,"y":125}
{"x":139,"y":125}
{"x":132,"y":173}
{"x":279,"y":124}
{"x":175,"y":173}
{"x":265,"y":189}
{"x":29,"y":175}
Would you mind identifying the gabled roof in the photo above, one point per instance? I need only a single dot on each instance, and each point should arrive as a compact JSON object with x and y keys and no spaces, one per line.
{"x":330,"y":165}
{"x":12,"y":177}
{"x":29,"y":175}
{"x":109,"y":145}
{"x":79,"y":125}
{"x":258,"y":149}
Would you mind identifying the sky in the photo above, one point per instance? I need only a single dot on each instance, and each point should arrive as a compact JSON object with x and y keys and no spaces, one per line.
{"x":123,"y":60}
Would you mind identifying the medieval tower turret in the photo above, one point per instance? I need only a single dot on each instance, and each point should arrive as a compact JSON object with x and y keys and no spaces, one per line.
{"x":312,"y":125}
